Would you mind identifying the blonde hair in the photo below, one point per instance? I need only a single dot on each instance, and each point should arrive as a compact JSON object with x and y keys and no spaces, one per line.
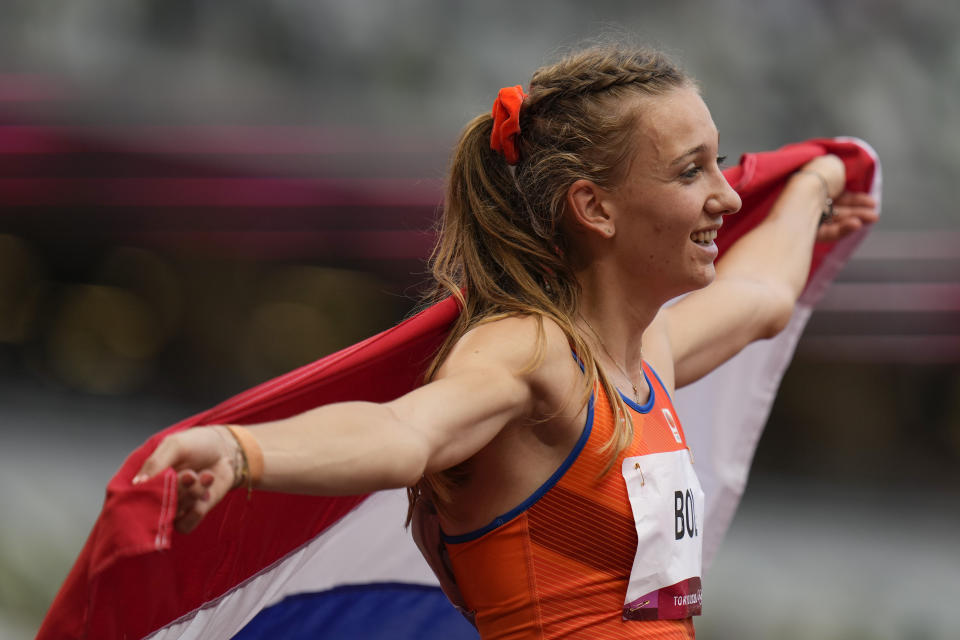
{"x":500,"y":250}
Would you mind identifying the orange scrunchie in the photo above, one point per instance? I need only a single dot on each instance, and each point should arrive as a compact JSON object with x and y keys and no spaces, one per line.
{"x":506,"y":123}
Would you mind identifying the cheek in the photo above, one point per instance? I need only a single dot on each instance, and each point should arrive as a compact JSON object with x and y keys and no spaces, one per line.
{"x":674,"y":225}
{"x":668,"y":233}
{"x":667,"y":242}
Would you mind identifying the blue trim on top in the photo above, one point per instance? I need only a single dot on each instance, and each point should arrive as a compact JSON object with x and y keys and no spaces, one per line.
{"x":536,"y":495}
{"x":645,"y":408}
{"x":662,"y":386}
{"x":579,"y":362}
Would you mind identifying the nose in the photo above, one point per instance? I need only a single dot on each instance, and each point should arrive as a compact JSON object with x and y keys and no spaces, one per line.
{"x":724,"y":200}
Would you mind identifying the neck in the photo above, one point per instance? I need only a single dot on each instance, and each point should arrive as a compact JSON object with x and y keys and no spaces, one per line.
{"x":618,"y":314}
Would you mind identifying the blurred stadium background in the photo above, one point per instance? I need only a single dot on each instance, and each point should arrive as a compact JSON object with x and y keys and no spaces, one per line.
{"x":197,"y":196}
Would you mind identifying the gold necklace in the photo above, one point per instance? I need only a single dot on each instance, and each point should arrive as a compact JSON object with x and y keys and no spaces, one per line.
{"x":636,"y":392}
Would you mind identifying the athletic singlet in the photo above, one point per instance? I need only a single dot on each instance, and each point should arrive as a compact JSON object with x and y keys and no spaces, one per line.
{"x":558,"y":565}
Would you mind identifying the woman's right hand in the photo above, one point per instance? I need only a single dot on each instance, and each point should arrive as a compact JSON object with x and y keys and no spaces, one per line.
{"x":206,"y":460}
{"x":851,"y":210}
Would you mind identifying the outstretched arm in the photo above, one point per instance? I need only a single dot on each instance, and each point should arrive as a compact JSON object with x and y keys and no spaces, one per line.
{"x":760,"y":278}
{"x":358,"y":447}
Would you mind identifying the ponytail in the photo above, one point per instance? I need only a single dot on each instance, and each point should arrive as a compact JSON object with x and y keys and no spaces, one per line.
{"x":499,"y":250}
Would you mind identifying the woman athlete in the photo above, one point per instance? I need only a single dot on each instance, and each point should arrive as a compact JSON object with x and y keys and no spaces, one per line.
{"x":544,"y":435}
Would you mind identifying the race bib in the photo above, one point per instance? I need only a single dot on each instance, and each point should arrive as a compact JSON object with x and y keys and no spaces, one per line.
{"x":666,"y":500}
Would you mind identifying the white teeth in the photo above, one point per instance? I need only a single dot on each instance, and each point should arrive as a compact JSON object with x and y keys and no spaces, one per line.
{"x":704,"y":237}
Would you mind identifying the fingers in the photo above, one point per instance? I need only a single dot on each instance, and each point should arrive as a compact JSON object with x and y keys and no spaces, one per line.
{"x":194,"y":498}
{"x":189,"y":517}
{"x":864,"y":215}
{"x":839,"y":228}
{"x":207,"y":478}
{"x":860,"y":205}
{"x":856,"y":206}
{"x":189,"y":491}
{"x":856,"y":199}
{"x":842,"y":226}
{"x":193,"y":486}
{"x":850,"y":225}
{"x":165,"y":455}
{"x":203,"y":460}
{"x":198,"y":492}
{"x":197,"y":495}
{"x":189,"y":486}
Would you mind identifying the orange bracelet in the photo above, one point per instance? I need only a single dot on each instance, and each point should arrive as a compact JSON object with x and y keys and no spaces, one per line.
{"x":252,"y":471}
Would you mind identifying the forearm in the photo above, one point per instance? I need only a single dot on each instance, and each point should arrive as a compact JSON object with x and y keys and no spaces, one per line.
{"x":358,"y":447}
{"x":340,"y":449}
{"x":778,"y":252}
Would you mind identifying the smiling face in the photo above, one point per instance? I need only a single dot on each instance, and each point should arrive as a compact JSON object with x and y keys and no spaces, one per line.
{"x":667,"y":208}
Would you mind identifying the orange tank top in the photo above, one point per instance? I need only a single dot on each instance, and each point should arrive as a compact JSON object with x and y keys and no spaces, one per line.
{"x":558,"y":565}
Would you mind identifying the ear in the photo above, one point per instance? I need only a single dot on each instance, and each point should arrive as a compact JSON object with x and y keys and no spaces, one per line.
{"x":587,"y":208}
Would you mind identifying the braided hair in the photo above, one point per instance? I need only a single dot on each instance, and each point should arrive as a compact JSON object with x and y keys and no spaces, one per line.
{"x":500,"y":250}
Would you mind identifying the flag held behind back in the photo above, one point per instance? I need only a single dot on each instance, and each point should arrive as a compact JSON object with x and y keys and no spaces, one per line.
{"x":137,"y":577}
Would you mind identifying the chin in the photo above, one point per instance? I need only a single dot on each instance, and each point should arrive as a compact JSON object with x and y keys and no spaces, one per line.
{"x":702,"y":279}
{"x":692,"y":284}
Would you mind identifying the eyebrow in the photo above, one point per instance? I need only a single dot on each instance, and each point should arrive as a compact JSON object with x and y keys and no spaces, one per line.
{"x":692,"y":152}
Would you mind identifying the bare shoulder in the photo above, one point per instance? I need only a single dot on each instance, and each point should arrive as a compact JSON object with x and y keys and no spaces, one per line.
{"x":531,"y":348}
{"x":510,"y":341}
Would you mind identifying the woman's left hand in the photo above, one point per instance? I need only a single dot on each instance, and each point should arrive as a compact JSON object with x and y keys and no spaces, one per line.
{"x":851,"y":211}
